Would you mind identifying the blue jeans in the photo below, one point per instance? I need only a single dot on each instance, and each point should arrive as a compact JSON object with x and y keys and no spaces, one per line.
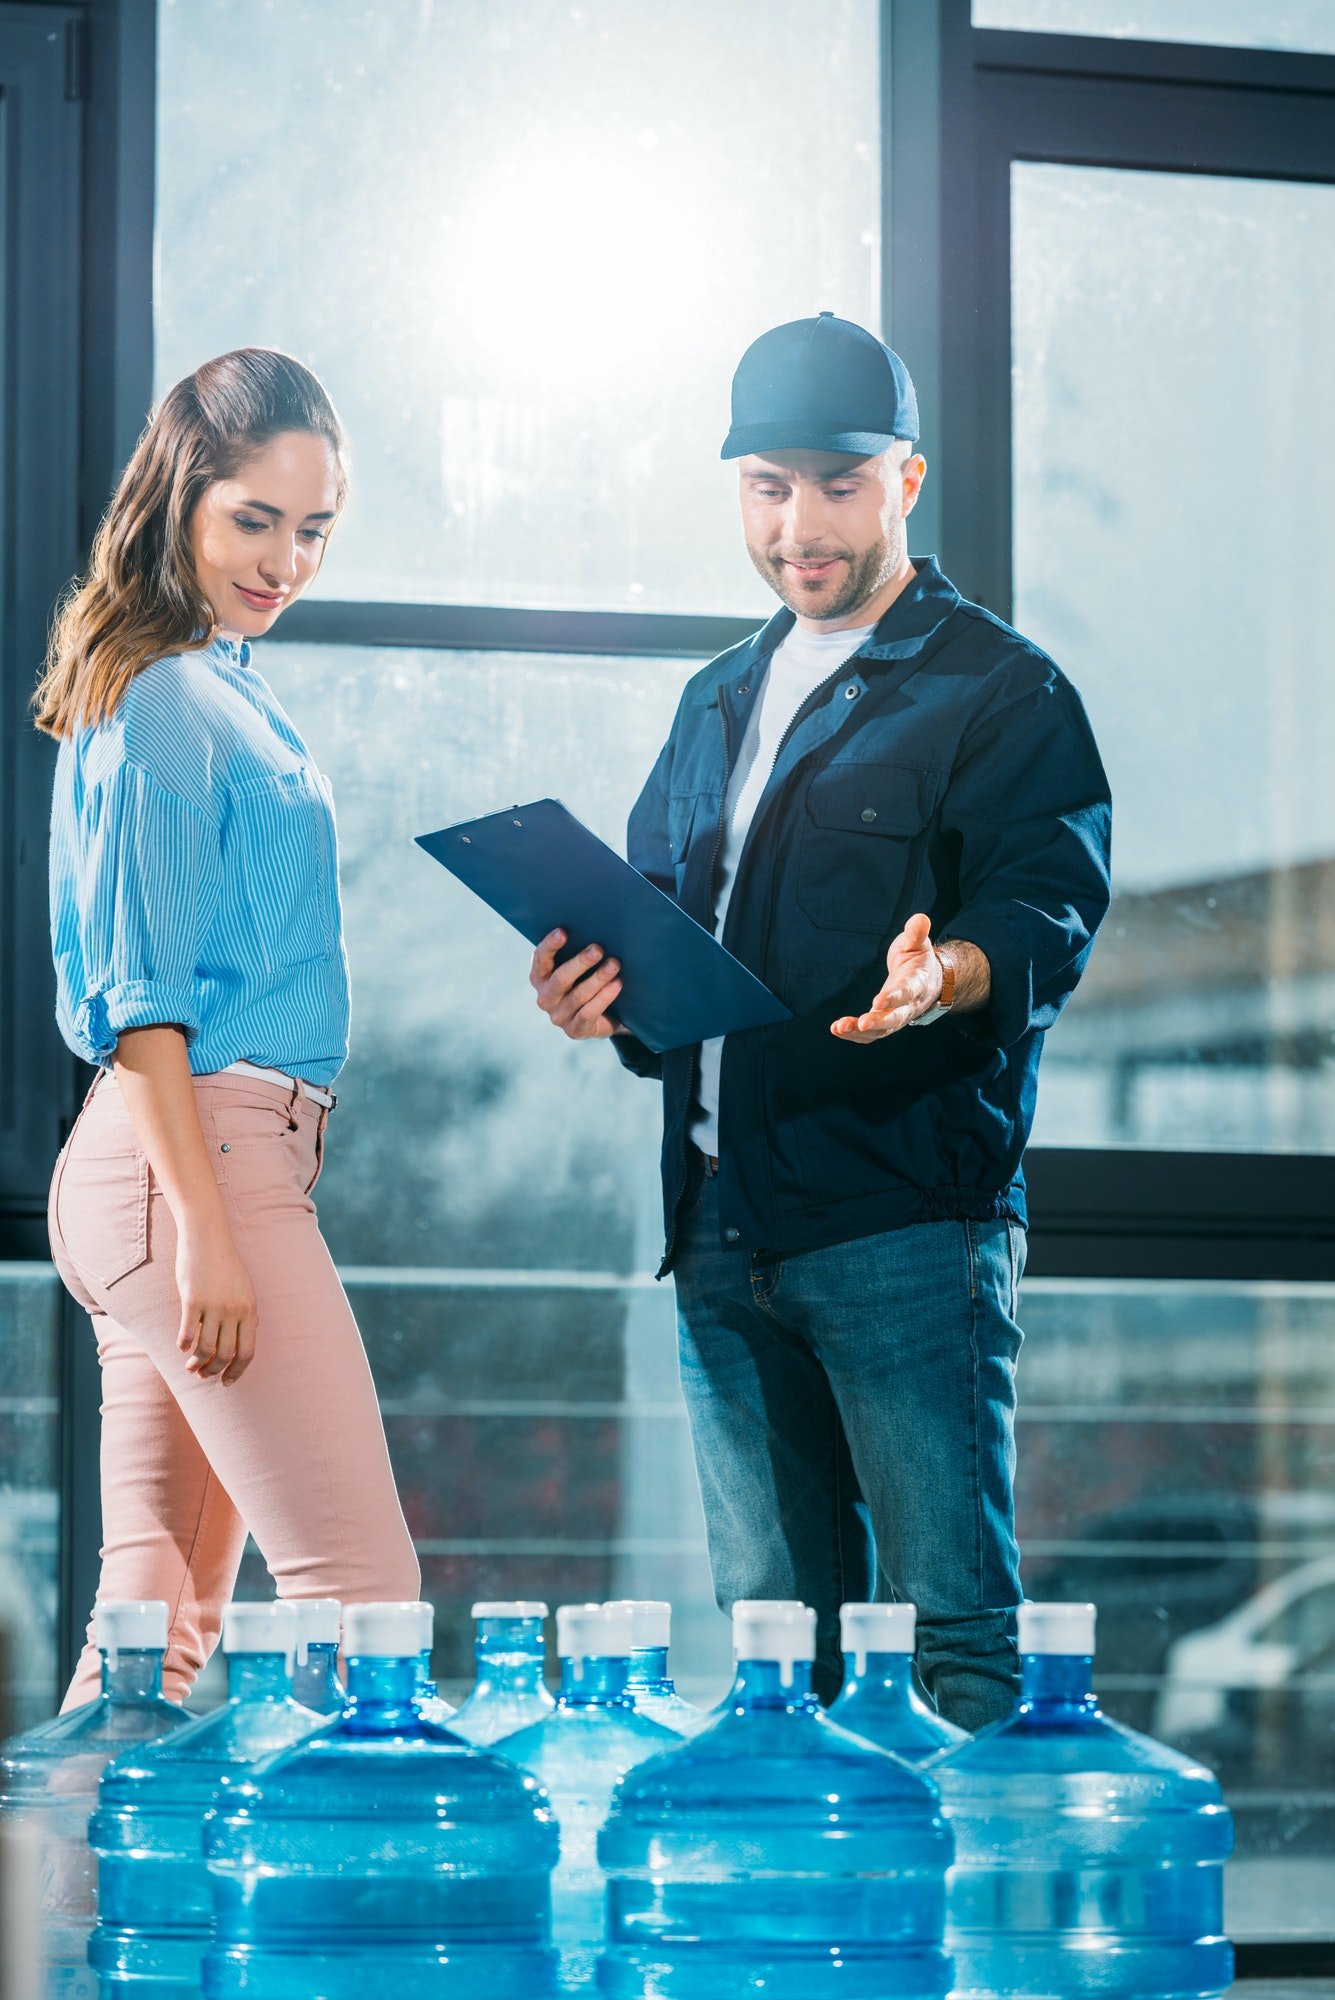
{"x":854,"y":1404}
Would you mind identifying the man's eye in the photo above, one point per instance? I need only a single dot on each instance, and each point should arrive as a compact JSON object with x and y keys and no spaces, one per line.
{"x":841,"y":492}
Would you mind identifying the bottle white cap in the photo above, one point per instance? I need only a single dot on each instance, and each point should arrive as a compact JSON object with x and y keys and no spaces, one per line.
{"x":876,"y":1628}
{"x":382,"y":1631}
{"x":261,"y":1628}
{"x":593,"y":1632}
{"x":651,"y":1619}
{"x":318,"y":1622}
{"x":518,"y":1607}
{"x":1057,"y":1628}
{"x":765,"y":1629}
{"x":763,"y":1604}
{"x":130,"y":1625}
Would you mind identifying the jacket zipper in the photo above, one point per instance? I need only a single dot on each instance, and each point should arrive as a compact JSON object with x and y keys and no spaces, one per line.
{"x":670,"y":1249}
{"x":800,"y":714}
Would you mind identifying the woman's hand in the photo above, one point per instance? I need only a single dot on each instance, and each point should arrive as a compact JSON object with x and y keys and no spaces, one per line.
{"x":218,"y":1311}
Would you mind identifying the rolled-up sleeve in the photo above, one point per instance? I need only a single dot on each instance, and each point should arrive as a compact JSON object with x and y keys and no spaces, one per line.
{"x":145,"y":892}
{"x":1029,"y":806}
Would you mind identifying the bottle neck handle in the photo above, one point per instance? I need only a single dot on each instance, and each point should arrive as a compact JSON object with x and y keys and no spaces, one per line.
{"x":132,"y":1676}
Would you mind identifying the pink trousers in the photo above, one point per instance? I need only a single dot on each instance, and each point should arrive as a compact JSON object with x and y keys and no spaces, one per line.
{"x":295,"y":1451}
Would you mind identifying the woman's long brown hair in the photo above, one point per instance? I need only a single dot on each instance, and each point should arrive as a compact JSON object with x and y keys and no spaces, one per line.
{"x":140,"y":599}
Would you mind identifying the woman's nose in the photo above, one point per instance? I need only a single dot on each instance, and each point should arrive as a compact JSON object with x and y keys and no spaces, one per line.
{"x":280,"y":563}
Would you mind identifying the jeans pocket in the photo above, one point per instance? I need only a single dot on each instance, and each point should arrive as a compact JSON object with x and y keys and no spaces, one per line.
{"x":100,"y":1209}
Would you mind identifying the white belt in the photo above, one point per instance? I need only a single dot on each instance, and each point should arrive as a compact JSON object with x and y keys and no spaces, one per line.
{"x":292,"y":1083}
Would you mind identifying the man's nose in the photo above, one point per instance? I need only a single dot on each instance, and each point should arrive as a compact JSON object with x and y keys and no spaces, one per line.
{"x":804,"y":519}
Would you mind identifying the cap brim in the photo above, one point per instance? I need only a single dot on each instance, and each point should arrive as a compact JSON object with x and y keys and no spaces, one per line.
{"x":744,"y":438}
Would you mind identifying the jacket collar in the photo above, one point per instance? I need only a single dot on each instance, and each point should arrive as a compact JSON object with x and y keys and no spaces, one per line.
{"x":910,"y":626}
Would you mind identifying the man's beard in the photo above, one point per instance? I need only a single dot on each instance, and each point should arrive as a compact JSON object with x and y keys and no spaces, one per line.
{"x":865,"y":575}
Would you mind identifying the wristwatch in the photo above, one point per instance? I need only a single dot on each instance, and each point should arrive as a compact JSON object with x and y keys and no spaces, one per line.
{"x":946,"y":997}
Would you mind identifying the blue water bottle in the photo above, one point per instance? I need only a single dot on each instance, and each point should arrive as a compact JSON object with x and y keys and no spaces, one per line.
{"x":155,"y":1909}
{"x":651,"y":1686}
{"x":315,"y":1681}
{"x":509,"y":1691}
{"x":383,"y":1854}
{"x":879,"y":1700}
{"x":774,"y":1853}
{"x":593,"y":1735}
{"x":1089,"y":1860}
{"x":49,"y":1778}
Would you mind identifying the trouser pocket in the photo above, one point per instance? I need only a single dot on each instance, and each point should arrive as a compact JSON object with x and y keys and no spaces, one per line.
{"x":100,"y":1208}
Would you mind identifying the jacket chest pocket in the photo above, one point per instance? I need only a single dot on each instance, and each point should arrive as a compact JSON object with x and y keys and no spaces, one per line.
{"x":283,"y":855}
{"x":862,"y":843}
{"x":691,"y":816}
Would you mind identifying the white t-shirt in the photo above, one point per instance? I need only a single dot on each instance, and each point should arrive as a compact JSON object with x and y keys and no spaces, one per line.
{"x":796,"y":669}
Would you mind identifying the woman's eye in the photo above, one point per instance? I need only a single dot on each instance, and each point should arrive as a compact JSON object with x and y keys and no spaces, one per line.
{"x":251,"y":527}
{"x":312,"y":534}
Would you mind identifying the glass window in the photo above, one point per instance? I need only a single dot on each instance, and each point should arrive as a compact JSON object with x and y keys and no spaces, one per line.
{"x":491,"y":1193}
{"x":1174,"y":1452}
{"x":1307,"y":25}
{"x":525,"y":244}
{"x":1174,"y":436}
{"x":30,"y":1312}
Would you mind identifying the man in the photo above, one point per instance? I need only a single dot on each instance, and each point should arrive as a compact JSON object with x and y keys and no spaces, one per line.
{"x":890,"y":807}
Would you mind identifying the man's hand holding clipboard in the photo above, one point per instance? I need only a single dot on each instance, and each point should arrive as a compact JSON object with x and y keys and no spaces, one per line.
{"x":630,"y":947}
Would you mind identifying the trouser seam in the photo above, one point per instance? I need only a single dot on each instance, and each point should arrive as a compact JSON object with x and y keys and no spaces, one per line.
{"x":313,"y":1427}
{"x":975,"y":1467}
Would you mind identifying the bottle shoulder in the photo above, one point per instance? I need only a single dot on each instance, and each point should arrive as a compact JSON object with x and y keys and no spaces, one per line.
{"x":779,"y":1758}
{"x":1092,"y":1750}
{"x":193,"y":1760}
{"x":905,"y":1727}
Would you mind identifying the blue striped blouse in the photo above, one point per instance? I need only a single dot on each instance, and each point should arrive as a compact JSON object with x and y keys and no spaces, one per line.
{"x":194,"y":875}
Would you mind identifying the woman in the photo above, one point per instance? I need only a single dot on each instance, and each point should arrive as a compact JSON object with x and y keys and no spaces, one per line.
{"x":199,"y":962}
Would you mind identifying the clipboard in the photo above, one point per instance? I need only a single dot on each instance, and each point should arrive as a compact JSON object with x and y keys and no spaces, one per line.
{"x":541,"y":869}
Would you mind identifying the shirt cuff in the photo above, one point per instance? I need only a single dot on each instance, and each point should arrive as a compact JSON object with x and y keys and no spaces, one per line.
{"x":635,"y":1057}
{"x":1009,"y":1013}
{"x":100,"y":1019}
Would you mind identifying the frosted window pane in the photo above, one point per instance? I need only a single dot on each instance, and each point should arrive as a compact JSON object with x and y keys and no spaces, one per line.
{"x":525,"y":244}
{"x":1174,"y":1441}
{"x":1307,"y":25}
{"x":31,"y":1298}
{"x":1174,"y":484}
{"x":512,"y":1144}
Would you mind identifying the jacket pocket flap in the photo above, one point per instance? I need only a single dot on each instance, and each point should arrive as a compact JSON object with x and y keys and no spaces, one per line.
{"x":893,"y":799}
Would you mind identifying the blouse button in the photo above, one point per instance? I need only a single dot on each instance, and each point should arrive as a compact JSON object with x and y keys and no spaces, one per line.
{"x":225,"y":1147}
{"x":869,"y":813}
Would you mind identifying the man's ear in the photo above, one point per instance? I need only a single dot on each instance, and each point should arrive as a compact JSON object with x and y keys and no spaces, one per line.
{"x":913,"y":473}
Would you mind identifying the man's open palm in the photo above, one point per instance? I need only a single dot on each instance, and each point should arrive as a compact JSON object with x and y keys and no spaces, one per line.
{"x":912,"y":985}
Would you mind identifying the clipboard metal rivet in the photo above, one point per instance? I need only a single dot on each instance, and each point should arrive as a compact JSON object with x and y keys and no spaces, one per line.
{"x":851,"y":693}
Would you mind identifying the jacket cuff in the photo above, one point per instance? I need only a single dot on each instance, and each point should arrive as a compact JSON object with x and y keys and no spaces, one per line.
{"x":1009,"y":1013}
{"x":100,"y":1019}
{"x":635,"y":1057}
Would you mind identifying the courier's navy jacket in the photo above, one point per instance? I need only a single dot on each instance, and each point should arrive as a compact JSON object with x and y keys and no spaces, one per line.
{"x":948,"y":767}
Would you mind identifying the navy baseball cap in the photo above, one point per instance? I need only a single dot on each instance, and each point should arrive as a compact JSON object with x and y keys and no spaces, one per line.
{"x":820,"y":384}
